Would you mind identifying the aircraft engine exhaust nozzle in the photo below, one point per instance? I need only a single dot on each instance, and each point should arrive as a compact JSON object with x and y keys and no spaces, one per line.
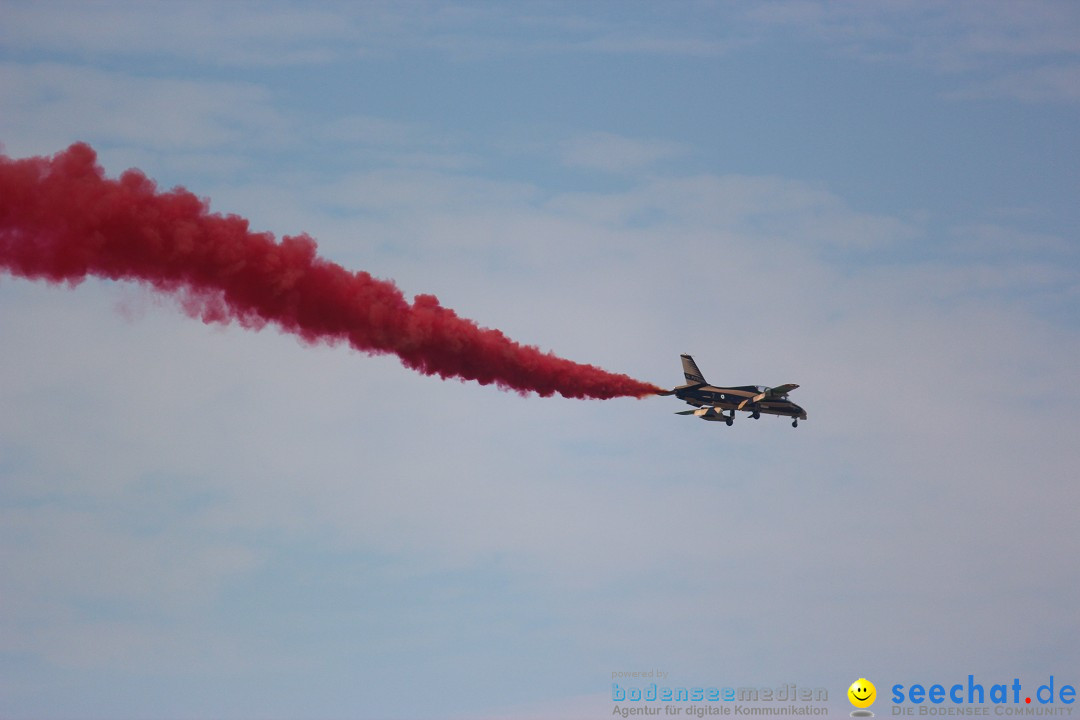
{"x":62,"y":220}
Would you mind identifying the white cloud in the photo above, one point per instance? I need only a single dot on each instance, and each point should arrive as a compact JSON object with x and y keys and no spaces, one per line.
{"x":976,"y":41}
{"x":990,"y":240}
{"x":615,"y":153}
{"x":279,"y":34}
{"x":285,"y":34}
{"x":48,"y":106}
{"x":1049,"y":83}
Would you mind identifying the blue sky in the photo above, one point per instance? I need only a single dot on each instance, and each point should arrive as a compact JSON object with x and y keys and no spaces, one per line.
{"x":874,"y":200}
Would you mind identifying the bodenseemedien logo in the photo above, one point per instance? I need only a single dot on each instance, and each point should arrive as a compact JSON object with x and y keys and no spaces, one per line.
{"x":862,"y":694}
{"x":667,"y":698}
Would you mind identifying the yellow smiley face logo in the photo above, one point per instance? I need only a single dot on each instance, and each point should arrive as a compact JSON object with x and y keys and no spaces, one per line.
{"x":862,"y":693}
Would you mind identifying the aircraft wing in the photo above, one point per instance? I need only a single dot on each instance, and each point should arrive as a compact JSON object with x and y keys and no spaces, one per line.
{"x":782,"y":390}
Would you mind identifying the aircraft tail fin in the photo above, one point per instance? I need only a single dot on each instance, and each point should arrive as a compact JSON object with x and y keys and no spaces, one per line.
{"x":691,"y":372}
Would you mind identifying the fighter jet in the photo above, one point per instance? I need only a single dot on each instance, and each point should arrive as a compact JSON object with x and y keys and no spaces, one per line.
{"x":711,"y":401}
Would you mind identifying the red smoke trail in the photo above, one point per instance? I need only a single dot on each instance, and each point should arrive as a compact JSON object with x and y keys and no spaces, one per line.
{"x":62,"y":220}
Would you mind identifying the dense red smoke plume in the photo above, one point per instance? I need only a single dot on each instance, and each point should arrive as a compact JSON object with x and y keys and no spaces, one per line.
{"x":62,"y":220}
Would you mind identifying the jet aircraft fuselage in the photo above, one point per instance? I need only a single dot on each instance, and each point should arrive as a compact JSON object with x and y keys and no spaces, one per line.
{"x":711,"y":400}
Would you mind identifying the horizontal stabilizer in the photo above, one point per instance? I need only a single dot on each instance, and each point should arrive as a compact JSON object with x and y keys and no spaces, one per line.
{"x":691,"y":386}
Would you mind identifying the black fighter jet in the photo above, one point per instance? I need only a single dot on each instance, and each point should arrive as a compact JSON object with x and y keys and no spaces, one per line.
{"x":711,"y":401}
